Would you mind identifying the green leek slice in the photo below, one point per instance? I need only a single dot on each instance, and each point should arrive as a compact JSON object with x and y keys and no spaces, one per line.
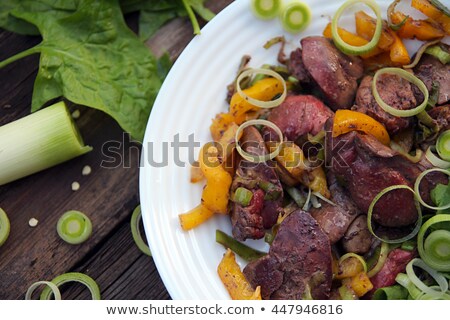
{"x":266,"y":9}
{"x":419,"y":212}
{"x":443,"y":145}
{"x":74,"y":227}
{"x":53,"y":289}
{"x":73,"y":277}
{"x":434,"y":248}
{"x":136,"y":217}
{"x":295,"y":16}
{"x":407,"y":76}
{"x":258,"y":158}
{"x":4,"y":227}
{"x":356,"y":50}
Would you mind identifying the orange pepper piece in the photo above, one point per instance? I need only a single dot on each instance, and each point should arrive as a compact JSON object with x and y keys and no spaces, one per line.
{"x":347,"y":120}
{"x":398,"y":51}
{"x":234,"y":280}
{"x":194,"y":217}
{"x":351,"y":39}
{"x":264,"y":90}
{"x":365,"y":27}
{"x":433,"y":13}
{"x":419,"y":29}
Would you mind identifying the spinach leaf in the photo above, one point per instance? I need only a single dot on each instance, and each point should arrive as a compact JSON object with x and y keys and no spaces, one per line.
{"x":92,"y":58}
{"x":154,"y":14}
{"x":441,"y":196}
{"x":59,"y":8}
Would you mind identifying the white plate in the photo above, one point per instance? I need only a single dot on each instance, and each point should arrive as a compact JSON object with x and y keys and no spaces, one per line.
{"x":193,"y":93}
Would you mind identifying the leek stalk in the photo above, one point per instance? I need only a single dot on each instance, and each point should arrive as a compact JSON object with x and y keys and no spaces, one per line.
{"x":37,"y":142}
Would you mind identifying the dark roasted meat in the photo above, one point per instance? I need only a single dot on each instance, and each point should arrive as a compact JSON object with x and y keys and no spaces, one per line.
{"x":265,"y":206}
{"x":431,"y":70}
{"x":395,"y":263}
{"x":358,"y":238}
{"x":296,"y":67}
{"x":442,"y":116}
{"x":368,"y":167}
{"x":299,"y":115}
{"x":334,"y":72}
{"x":395,"y":91}
{"x":299,"y":259}
{"x":335,"y":220}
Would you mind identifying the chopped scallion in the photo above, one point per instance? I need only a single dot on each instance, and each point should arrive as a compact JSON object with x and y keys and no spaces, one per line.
{"x":242,"y":250}
{"x":74,"y":227}
{"x":243,"y":196}
{"x":395,"y":292}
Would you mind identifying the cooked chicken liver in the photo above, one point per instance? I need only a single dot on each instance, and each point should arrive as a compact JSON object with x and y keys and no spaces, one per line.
{"x":368,"y":167}
{"x":393,"y":90}
{"x":334,"y":72}
{"x":335,"y":220}
{"x":358,"y":238}
{"x":299,"y":115}
{"x":430,"y":70}
{"x":265,"y":206}
{"x":299,"y":259}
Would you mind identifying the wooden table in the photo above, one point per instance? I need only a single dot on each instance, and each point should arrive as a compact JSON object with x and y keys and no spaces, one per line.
{"x":107,"y":196}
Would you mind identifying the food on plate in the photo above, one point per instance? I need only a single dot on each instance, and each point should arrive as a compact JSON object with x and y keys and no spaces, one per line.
{"x":340,"y":165}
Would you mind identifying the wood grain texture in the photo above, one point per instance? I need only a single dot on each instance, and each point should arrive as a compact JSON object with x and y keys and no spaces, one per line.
{"x":108,"y":195}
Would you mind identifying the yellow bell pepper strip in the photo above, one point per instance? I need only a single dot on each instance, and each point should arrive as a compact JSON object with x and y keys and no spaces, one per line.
{"x":365,"y":28}
{"x":360,"y":284}
{"x":264,"y":90}
{"x":215,"y":194}
{"x":398,"y":51}
{"x":228,"y":144}
{"x":418,"y":29}
{"x":347,"y":120}
{"x":433,"y":13}
{"x":318,"y":182}
{"x":348,"y":268}
{"x":196,"y":173}
{"x":234,"y":280}
{"x":194,"y":217}
{"x":220,"y":124}
{"x":380,"y":61}
{"x":352,"y":39}
{"x":292,"y":159}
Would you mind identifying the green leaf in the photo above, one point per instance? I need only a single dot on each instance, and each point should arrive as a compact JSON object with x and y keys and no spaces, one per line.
{"x":163,"y":66}
{"x":440,"y":195}
{"x":155,"y":13}
{"x":59,"y":8}
{"x":92,"y":58}
{"x":201,"y":10}
{"x":152,"y":21}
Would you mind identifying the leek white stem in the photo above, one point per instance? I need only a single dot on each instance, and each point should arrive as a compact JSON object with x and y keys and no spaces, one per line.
{"x":37,"y":142}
